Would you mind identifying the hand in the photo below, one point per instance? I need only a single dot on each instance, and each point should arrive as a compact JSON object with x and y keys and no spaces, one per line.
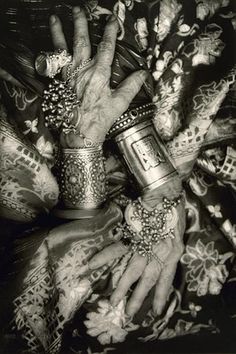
{"x":155,"y":273}
{"x":100,"y":105}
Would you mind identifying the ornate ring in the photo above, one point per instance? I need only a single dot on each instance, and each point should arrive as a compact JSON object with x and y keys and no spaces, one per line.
{"x":50,"y":64}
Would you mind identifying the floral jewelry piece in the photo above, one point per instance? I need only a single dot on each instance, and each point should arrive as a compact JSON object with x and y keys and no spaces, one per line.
{"x":50,"y":64}
{"x":83,"y":179}
{"x":58,"y":104}
{"x":146,"y":228}
{"x":70,"y":75}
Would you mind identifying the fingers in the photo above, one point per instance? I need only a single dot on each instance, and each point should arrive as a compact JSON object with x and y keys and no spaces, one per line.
{"x":106,"y":48}
{"x":128,"y":89}
{"x":168,"y":273}
{"x":57,"y":34}
{"x":146,"y":283}
{"x":82,"y":47}
{"x":163,"y":287}
{"x":131,"y":275}
{"x":4,"y":75}
{"x":107,"y":255}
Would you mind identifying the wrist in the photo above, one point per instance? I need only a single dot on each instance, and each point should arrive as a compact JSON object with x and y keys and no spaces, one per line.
{"x":71,"y":141}
{"x":171,"y":190}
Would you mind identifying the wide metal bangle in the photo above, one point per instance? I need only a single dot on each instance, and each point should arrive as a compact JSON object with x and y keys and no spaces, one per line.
{"x":145,"y":156}
{"x":82,"y":180}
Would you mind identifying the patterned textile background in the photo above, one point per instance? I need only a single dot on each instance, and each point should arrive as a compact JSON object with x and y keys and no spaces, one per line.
{"x":49,"y":302}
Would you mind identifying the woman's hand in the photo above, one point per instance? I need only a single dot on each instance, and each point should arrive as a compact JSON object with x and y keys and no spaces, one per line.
{"x":100,"y":106}
{"x":158,"y":273}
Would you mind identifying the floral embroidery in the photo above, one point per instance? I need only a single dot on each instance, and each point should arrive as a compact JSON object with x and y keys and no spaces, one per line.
{"x":183,"y":327}
{"x":208,"y":8}
{"x":169,"y":10}
{"x":230,"y":230}
{"x":141,"y":37}
{"x":199,"y":183}
{"x":185,"y":30}
{"x":33,"y":188}
{"x":120,"y":11}
{"x":22,"y":97}
{"x":206,"y":273}
{"x":208,"y":46}
{"x":130,"y":3}
{"x":45,"y":187}
{"x":107,"y":323}
{"x":167,"y":119}
{"x":45,"y":148}
{"x":194,"y":309}
{"x":159,"y":324}
{"x":94,"y":11}
{"x":215,"y":210}
{"x":31,"y":125}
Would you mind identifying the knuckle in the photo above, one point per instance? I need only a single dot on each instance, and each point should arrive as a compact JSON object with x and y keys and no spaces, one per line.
{"x":124,"y":97}
{"x":102,"y":73}
{"x":81,"y":41}
{"x":150,"y":279}
{"x":112,"y":27}
{"x":106,"y":44}
{"x":78,"y":14}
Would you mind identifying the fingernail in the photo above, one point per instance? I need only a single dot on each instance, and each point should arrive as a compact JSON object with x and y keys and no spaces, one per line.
{"x":113,"y":18}
{"x":76,"y":10}
{"x":53,"y":19}
{"x":157,"y":311}
{"x":143,"y":73}
{"x":131,"y":311}
{"x":114,"y":302}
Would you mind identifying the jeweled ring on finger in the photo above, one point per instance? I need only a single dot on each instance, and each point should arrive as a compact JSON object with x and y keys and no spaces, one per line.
{"x":50,"y":64}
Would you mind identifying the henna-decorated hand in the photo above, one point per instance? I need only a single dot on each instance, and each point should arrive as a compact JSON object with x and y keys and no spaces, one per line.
{"x":100,"y":106}
{"x":158,"y":273}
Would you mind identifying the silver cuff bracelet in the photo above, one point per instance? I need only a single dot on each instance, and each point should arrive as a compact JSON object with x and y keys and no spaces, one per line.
{"x":145,"y":155}
{"x":83,"y":180}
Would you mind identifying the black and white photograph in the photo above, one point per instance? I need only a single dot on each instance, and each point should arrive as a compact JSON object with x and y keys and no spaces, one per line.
{"x":117,"y":176}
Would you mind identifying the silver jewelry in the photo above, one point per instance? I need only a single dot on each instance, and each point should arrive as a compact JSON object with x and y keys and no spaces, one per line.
{"x":70,"y":75}
{"x":58,"y":104}
{"x":130,"y":118}
{"x":50,"y":64}
{"x":154,"y":227}
{"x":83,"y":179}
{"x":145,"y":156}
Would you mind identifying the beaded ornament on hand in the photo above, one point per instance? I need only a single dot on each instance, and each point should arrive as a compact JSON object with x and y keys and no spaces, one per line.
{"x":146,"y":228}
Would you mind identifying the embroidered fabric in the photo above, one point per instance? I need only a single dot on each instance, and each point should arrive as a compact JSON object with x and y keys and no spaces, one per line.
{"x":192,"y":92}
